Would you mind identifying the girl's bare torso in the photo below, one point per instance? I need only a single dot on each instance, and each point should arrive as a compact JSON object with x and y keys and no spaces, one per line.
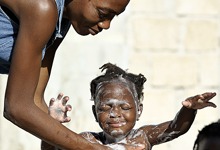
{"x":135,"y":137}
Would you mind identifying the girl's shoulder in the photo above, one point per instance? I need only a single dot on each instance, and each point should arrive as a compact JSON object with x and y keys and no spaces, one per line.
{"x":93,"y":137}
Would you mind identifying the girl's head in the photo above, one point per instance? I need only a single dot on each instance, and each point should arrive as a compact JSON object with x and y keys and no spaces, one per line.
{"x":118,"y":101}
{"x":92,"y":16}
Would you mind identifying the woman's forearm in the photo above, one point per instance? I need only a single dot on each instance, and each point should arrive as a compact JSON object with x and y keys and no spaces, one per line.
{"x":46,"y":128}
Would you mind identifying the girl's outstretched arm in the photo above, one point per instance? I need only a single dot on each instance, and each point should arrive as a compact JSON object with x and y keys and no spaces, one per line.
{"x":182,"y":122}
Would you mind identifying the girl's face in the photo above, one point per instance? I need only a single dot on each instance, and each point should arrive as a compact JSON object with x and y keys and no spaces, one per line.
{"x":115,"y":110}
{"x":91,"y":16}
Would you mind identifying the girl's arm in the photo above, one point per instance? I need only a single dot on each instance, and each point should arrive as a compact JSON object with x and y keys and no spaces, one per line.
{"x":182,"y":122}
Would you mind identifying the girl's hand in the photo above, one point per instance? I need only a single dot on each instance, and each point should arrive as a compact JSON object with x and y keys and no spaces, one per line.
{"x":199,"y":101}
{"x":58,"y":108}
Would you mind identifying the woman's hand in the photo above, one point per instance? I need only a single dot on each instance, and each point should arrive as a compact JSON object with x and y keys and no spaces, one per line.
{"x":58,"y":108}
{"x":199,"y":101}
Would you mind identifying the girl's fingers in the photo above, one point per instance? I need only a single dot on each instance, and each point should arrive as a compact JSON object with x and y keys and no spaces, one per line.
{"x":211,"y":104}
{"x":51,"y":101}
{"x":67,"y":119}
{"x":186,"y":104}
{"x":64,"y":100}
{"x":60,"y":96}
{"x":210,"y":96}
{"x":68,"y":107}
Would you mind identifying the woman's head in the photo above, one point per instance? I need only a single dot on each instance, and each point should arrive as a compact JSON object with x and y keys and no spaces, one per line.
{"x":117,"y":96}
{"x":92,"y":16}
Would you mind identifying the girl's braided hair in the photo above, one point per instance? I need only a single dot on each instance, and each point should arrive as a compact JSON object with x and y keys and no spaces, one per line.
{"x":113,"y":72}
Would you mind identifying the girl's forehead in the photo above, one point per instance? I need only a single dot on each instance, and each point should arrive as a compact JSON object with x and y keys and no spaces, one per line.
{"x":115,"y":87}
{"x":115,"y":101}
{"x":115,"y":91}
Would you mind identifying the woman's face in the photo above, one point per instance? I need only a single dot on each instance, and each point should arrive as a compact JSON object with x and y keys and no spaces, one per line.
{"x":116,"y":110}
{"x":91,"y":16}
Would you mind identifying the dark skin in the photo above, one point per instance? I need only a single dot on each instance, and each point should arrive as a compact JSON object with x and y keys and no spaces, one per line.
{"x":28,"y":78}
{"x":116,"y":111}
{"x":211,"y":143}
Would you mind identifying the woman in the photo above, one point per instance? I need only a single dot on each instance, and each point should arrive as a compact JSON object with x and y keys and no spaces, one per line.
{"x":30,"y":33}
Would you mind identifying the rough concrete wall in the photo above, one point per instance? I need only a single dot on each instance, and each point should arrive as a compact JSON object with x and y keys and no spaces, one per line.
{"x":174,"y":43}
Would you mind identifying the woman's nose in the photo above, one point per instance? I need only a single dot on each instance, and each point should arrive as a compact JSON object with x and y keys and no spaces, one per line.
{"x":104,"y":24}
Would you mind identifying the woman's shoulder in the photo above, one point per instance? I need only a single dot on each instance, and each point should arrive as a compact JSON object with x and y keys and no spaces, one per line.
{"x":31,"y":8}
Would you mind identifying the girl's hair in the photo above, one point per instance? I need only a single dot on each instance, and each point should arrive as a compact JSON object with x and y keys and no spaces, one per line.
{"x":209,"y":131}
{"x":115,"y":73}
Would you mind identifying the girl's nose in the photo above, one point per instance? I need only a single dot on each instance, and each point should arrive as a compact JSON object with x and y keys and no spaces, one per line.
{"x":115,"y":113}
{"x":104,"y":24}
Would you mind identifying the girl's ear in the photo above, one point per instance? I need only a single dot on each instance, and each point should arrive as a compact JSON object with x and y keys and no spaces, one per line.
{"x":94,"y":113}
{"x":140,"y":109}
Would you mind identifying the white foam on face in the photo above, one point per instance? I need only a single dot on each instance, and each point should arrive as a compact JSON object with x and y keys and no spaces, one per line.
{"x":115,"y":132}
{"x":115,"y":102}
{"x":120,"y":81}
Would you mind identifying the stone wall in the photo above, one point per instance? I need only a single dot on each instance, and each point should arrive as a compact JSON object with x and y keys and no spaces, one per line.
{"x":174,"y":43}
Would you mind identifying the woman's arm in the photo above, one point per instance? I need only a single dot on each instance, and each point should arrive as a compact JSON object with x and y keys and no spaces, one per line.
{"x":27,"y":80}
{"x":182,"y":122}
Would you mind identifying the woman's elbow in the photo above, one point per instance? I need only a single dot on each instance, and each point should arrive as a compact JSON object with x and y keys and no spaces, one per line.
{"x":13,"y":112}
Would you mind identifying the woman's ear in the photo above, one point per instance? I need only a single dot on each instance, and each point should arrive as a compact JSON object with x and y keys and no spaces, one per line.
{"x":94,"y":113}
{"x":140,"y":109}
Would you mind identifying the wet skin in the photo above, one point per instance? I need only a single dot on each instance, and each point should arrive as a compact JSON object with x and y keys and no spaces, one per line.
{"x":116,"y":111}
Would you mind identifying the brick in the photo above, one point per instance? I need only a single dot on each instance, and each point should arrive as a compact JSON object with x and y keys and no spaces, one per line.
{"x":175,"y":71}
{"x":149,"y":6}
{"x":209,"y":70}
{"x":155,"y":33}
{"x":201,"y":35}
{"x":198,"y":7}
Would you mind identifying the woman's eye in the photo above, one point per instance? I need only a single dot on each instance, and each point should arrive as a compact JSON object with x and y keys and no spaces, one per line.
{"x":105,"y":15}
{"x":102,"y":15}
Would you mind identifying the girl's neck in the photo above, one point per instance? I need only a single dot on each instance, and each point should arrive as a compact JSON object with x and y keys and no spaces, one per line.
{"x":110,"y":140}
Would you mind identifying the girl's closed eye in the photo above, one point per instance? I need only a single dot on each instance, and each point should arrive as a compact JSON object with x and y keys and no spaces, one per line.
{"x":104,"y":107}
{"x":125,"y":107}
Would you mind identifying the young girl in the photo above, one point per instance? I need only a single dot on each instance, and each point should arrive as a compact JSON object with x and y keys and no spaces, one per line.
{"x":117,"y":97}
